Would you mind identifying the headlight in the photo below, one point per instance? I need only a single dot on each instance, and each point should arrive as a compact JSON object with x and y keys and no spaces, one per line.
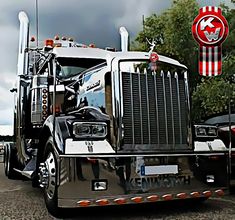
{"x":205,"y":131}
{"x":92,"y":129}
{"x":99,"y":130}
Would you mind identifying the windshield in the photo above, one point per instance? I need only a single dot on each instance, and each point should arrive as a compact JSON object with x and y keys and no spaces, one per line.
{"x":68,"y":67}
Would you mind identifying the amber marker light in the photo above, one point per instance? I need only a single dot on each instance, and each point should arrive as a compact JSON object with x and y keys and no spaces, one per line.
{"x":56,"y":37}
{"x":120,"y":201}
{"x":102,"y":202}
{"x":181,"y":195}
{"x":219,"y":192}
{"x":195,"y":194}
{"x":137,"y":199}
{"x":32,"y":39}
{"x":84,"y":203}
{"x":153,"y":198}
{"x":49,"y":43}
{"x":92,"y":45}
{"x":167,"y":197}
{"x":207,"y":194}
{"x":57,"y":109}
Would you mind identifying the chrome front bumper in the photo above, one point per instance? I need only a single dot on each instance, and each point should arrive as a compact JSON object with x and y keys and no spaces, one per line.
{"x":101,"y":181}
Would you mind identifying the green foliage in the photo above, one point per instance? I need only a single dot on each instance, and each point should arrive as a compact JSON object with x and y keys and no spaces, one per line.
{"x":211,"y":97}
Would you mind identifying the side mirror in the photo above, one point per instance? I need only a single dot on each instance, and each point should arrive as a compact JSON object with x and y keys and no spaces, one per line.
{"x":13,"y":90}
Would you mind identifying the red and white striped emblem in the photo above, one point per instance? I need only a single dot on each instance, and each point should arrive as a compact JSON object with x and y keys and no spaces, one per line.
{"x":210,"y":29}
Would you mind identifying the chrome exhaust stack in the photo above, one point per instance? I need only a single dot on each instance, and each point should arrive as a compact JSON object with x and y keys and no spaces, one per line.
{"x":21,"y":71}
{"x":124,"y":39}
{"x":23,"y":43}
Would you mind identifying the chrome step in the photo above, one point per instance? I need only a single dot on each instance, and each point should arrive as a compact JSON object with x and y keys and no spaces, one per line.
{"x":29,"y":168}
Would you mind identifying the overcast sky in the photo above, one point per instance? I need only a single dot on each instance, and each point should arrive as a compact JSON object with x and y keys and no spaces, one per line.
{"x":85,"y":20}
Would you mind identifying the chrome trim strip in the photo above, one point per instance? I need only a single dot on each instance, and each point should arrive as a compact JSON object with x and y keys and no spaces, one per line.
{"x":114,"y":106}
{"x":121,"y":113}
{"x":188,"y":107}
{"x":146,"y":155}
{"x":141,"y":119}
{"x":116,"y":103}
{"x":172,"y":113}
{"x":156,"y":103}
{"x":132,"y":110}
{"x":164,"y":97}
{"x":147,"y":97}
{"x":179,"y":106}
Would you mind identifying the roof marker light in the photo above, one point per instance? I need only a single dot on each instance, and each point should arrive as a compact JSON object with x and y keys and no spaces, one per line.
{"x":32,"y":39}
{"x":92,"y":45}
{"x":49,"y":43}
{"x":56,"y":37}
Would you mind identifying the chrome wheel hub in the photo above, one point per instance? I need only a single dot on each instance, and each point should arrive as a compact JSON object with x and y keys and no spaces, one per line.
{"x":47,"y":175}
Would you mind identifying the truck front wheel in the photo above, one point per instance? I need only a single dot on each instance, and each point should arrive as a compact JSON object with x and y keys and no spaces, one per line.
{"x":48,"y":178}
{"x":10,"y":161}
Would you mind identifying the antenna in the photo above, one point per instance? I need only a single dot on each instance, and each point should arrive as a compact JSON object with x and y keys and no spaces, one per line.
{"x":143,"y":23}
{"x":37,"y":21}
{"x":152,"y":44}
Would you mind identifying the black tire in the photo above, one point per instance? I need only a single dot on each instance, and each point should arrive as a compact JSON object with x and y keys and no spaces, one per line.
{"x":10,"y":162}
{"x":51,"y":199}
{"x":5,"y":160}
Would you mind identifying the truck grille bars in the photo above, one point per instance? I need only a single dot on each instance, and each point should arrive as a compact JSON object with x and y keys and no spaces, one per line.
{"x":155,"y":114}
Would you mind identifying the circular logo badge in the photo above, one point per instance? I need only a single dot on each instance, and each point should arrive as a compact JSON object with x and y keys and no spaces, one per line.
{"x":154,"y":57}
{"x":210,"y":28}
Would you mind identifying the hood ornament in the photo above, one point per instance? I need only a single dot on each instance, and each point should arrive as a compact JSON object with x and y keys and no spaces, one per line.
{"x":152,"y":45}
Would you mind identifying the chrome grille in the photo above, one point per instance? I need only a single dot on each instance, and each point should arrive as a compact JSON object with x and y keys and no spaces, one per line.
{"x":154,"y":111}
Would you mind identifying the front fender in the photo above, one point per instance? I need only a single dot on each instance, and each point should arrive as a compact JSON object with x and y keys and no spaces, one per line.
{"x":59,"y":131}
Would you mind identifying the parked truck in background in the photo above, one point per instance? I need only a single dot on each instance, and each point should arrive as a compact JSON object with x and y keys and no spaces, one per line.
{"x":95,"y":127}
